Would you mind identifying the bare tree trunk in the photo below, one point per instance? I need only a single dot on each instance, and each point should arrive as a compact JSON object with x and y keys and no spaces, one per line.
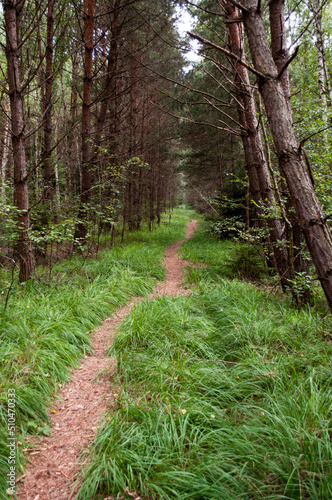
{"x":279,"y":45}
{"x":258,"y":173}
{"x":56,"y":173}
{"x":48,"y":188}
{"x":109,"y":90}
{"x":73,"y":157}
{"x":11,"y":9}
{"x":5,"y":154}
{"x":248,"y":205}
{"x":323,"y":75}
{"x":308,"y":209}
{"x":37,"y":154}
{"x":89,"y":15}
{"x":280,"y":57}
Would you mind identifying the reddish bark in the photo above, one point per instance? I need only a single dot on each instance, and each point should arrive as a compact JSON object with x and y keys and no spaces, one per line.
{"x":5,"y":153}
{"x":279,"y":45}
{"x":89,"y":17}
{"x":48,"y":188}
{"x":109,"y":89}
{"x":280,"y":57}
{"x":308,"y":209}
{"x":73,"y":155}
{"x":20,"y":169}
{"x":258,"y":173}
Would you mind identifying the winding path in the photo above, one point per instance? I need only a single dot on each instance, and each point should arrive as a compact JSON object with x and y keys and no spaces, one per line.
{"x":83,"y":401}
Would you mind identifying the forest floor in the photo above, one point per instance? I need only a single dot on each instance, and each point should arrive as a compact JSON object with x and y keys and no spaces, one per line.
{"x":79,"y":408}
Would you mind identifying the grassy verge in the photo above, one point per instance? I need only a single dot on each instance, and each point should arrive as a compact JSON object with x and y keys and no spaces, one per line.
{"x":225,"y":395}
{"x":46,"y":328}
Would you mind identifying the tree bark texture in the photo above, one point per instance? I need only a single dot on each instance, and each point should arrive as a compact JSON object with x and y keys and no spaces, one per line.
{"x":323,"y":75}
{"x":5,"y":154}
{"x":87,"y":180}
{"x":109,"y":90}
{"x":280,"y":57}
{"x":258,"y":173}
{"x":20,"y":169}
{"x":308,"y":209}
{"x":73,"y":155}
{"x":48,"y":187}
{"x":279,"y":45}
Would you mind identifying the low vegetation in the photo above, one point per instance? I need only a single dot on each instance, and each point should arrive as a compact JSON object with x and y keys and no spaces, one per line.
{"x":225,"y":394}
{"x":45,"y":327}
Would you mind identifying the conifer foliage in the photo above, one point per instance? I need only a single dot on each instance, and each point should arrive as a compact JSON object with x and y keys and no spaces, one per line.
{"x":90,"y":148}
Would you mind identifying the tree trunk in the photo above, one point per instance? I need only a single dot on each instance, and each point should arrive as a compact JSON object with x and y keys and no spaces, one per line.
{"x":89,"y":15}
{"x":258,"y":173}
{"x":109,"y":90}
{"x":323,"y":75}
{"x":20,"y":169}
{"x":48,"y":187}
{"x":308,"y":209}
{"x":56,"y":172}
{"x":73,"y":156}
{"x":5,"y":155}
{"x":280,"y":57}
{"x":279,"y":45}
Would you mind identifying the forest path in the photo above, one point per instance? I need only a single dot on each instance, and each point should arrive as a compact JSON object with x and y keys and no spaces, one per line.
{"x":82,"y":403}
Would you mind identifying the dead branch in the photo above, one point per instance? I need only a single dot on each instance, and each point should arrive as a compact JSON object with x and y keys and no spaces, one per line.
{"x":308,"y":24}
{"x":227,"y":53}
{"x":287,"y":63}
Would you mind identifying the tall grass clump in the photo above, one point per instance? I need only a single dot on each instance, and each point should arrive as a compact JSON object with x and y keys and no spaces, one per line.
{"x":226,"y":258}
{"x":45,"y":328}
{"x":225,"y":394}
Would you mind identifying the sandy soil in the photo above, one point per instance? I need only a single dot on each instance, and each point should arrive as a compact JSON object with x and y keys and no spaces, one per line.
{"x":80,"y":406}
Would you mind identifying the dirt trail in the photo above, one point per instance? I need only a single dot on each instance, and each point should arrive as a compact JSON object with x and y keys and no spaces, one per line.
{"x":82,"y":403}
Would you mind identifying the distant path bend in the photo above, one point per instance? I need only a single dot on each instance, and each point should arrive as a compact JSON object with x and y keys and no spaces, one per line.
{"x":82,"y":403}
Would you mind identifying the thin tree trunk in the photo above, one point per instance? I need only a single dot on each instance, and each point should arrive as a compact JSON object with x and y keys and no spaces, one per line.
{"x":37,"y":153}
{"x":109,"y":90}
{"x":279,"y":45}
{"x":308,"y":209}
{"x":248,"y":206}
{"x":73,"y":146}
{"x":323,"y":75}
{"x":25,"y":252}
{"x":5,"y":154}
{"x":89,"y":15}
{"x":48,"y":129}
{"x":56,"y":173}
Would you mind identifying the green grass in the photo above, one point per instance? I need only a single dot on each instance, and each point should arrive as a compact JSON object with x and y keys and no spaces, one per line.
{"x":225,"y":395}
{"x":225,"y":258}
{"x":46,"y":328}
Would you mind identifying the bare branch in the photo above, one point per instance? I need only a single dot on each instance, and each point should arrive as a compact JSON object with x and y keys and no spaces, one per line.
{"x":265,"y":6}
{"x":238,"y":5}
{"x":207,"y":11}
{"x":232,"y":131}
{"x":312,"y":135}
{"x":227,"y":52}
{"x":287,"y":63}
{"x":309,"y":23}
{"x":205,"y":199}
{"x":228,"y":116}
{"x":54,"y":147}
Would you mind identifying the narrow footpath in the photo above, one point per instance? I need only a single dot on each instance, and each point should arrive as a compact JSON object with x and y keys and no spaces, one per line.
{"x":80,"y":406}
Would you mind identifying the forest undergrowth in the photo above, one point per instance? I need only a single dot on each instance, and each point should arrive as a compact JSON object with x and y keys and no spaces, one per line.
{"x":46,"y":326}
{"x":226,"y":394}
